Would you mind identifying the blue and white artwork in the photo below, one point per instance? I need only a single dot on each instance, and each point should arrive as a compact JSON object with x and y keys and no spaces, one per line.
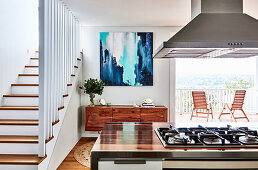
{"x":126,"y":58}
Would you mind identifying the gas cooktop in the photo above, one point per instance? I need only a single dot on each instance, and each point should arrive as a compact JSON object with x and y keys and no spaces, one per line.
{"x":202,"y":137}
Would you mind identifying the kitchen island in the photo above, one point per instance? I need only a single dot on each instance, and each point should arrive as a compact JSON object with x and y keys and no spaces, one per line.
{"x":124,"y":146}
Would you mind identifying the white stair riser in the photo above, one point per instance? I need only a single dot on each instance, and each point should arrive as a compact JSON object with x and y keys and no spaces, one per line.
{"x":20,"y":101}
{"x":18,"y":130}
{"x":28,"y":79}
{"x":78,"y":62}
{"x":19,"y":114}
{"x":34,"y":62}
{"x":25,"y":90}
{"x":18,"y":148}
{"x":19,"y":167}
{"x":31,"y":70}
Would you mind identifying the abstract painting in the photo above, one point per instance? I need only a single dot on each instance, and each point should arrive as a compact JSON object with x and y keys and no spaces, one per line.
{"x":126,"y":58}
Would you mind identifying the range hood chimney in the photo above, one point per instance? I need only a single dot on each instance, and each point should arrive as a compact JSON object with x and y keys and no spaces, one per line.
{"x":219,"y":29}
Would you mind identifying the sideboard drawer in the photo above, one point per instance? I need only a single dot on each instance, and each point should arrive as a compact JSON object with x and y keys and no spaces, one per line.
{"x":126,"y":115}
{"x":96,"y":117}
{"x":154,"y":114}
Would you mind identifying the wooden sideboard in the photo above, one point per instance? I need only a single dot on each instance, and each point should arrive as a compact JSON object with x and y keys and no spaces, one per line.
{"x":97,"y":116}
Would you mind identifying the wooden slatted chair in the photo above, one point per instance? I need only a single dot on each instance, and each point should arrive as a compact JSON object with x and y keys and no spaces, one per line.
{"x":237,"y":105}
{"x":200,"y":105}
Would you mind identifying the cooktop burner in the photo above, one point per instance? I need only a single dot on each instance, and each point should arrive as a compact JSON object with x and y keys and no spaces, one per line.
{"x":200,"y":136}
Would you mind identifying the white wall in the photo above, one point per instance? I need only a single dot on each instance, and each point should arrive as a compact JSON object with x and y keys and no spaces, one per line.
{"x":18,"y":38}
{"x":159,"y":92}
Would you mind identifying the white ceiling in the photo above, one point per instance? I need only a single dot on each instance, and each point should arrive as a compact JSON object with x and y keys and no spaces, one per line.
{"x":131,"y":12}
{"x":139,"y":12}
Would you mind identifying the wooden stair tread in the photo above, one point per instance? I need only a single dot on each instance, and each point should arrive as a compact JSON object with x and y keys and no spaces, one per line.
{"x":18,"y":139}
{"x":79,"y":59}
{"x":34,"y":58}
{"x":25,"y":84}
{"x":60,"y":108}
{"x":19,"y":159}
{"x":54,"y":123}
{"x":28,"y":74}
{"x":19,"y":122}
{"x":31,"y":66}
{"x":19,"y":108}
{"x":76,"y":67}
{"x":21,"y":95}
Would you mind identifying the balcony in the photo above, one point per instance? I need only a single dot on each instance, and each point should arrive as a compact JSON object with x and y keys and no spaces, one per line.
{"x":217,"y":98}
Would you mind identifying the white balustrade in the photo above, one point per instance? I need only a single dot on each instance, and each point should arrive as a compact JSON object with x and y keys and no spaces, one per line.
{"x":58,"y":53}
{"x":217,"y":98}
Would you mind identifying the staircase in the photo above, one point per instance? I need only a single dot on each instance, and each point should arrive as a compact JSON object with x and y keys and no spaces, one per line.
{"x":19,"y":120}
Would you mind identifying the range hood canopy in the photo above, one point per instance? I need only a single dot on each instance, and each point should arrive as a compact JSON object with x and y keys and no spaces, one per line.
{"x":219,"y":30}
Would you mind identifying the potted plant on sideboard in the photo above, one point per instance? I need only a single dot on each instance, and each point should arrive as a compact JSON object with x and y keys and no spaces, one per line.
{"x":93,"y":87}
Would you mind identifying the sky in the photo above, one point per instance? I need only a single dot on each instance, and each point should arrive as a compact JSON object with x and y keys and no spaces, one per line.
{"x":216,"y":66}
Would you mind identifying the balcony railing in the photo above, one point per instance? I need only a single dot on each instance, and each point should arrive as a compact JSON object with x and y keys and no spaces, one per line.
{"x":217,"y":98}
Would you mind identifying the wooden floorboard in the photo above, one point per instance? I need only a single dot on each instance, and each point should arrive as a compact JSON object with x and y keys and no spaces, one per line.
{"x":70,"y":163}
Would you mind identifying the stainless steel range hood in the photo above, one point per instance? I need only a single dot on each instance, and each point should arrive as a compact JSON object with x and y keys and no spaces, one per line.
{"x":219,"y":30}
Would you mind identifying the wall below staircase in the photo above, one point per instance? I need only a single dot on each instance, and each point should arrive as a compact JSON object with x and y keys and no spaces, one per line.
{"x":70,"y":132}
{"x":19,"y":38}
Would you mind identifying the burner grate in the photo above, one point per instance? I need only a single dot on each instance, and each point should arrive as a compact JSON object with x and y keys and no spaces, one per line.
{"x":208,"y":136}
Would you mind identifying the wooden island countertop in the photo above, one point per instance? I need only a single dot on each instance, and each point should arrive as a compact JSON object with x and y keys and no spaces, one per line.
{"x":129,"y":136}
{"x":139,"y":140}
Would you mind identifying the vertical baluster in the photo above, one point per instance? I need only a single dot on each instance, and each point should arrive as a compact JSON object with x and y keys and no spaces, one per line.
{"x":51,"y":63}
{"x":48,"y":78}
{"x":62,"y":56}
{"x":68,"y":47}
{"x":181,"y":102}
{"x":56,"y":63}
{"x":59,"y":96}
{"x":75,"y":50}
{"x":58,"y":59}
{"x":55,"y":68}
{"x":43,"y":37}
{"x":65,"y":49}
{"x":72,"y":50}
{"x":189,"y":101}
{"x":184,"y":97}
{"x":71,"y":46}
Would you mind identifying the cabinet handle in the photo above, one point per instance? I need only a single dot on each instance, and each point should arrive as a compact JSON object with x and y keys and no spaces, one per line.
{"x":129,"y":162}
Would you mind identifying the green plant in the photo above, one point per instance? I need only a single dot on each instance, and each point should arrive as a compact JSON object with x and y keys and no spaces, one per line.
{"x":238,"y":83}
{"x":93,"y":87}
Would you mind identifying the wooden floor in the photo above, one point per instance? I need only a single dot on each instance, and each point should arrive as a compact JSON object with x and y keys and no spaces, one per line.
{"x":70,"y":163}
